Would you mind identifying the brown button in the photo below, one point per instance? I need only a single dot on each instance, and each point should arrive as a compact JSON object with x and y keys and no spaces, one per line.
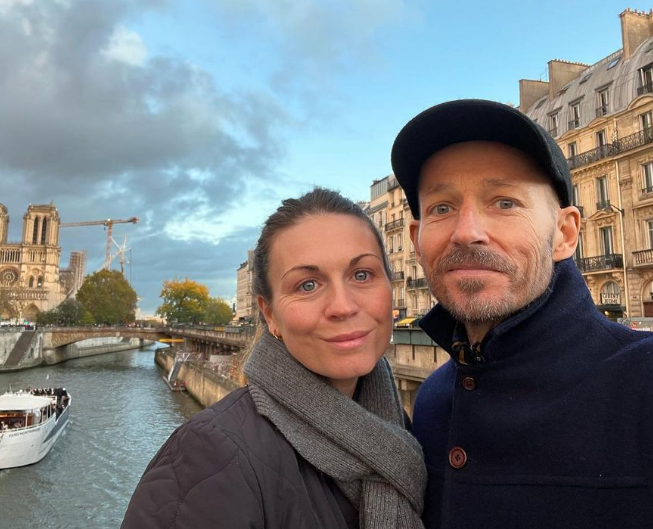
{"x":469,"y":383}
{"x":457,"y":457}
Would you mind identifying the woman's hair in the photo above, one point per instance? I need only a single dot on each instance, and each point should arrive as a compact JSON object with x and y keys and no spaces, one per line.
{"x":292,"y":210}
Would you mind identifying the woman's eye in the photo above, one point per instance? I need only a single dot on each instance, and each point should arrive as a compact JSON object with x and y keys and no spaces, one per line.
{"x":361,"y":275}
{"x":505,"y":203}
{"x":308,"y":286}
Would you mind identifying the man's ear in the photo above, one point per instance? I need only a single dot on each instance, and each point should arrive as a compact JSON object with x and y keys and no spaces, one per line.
{"x":266,"y":310}
{"x":567,"y":231}
{"x":413,"y":228}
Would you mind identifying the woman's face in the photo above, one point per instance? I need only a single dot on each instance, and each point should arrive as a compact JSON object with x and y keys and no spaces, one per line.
{"x":331,"y":299}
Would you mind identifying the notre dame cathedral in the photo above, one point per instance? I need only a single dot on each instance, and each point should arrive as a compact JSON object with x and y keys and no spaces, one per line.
{"x":31,"y":280}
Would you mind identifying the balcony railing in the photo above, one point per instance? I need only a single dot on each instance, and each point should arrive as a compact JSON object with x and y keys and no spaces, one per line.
{"x":574,"y":124}
{"x":600,"y":262}
{"x":603,"y":205}
{"x":417,"y":283}
{"x":397,"y":276}
{"x":395,"y":224}
{"x":601,"y":111}
{"x":646,"y":88}
{"x":553,"y":131}
{"x":400,"y":303}
{"x":647,"y":190}
{"x":627,"y":143}
{"x":643,"y":258}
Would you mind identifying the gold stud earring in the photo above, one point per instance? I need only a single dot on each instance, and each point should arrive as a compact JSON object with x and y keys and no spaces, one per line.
{"x":278,"y":337}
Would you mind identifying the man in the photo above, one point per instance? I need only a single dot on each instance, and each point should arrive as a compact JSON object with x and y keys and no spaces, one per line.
{"x":543,"y":416}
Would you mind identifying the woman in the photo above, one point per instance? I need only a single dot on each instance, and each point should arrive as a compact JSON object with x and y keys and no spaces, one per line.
{"x":316,"y":440}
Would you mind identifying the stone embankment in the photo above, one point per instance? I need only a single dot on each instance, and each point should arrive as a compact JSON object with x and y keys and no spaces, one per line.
{"x":204,"y":384}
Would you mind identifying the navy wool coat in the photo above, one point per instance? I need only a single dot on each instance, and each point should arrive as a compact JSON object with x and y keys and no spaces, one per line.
{"x":552,"y":429}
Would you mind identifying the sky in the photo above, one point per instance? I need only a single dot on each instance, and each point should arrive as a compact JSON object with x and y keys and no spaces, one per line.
{"x":199,"y":117}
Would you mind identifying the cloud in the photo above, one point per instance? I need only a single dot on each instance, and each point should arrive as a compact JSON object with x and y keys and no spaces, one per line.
{"x":126,"y":46}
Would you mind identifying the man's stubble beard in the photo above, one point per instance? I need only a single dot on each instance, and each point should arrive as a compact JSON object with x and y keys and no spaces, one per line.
{"x":474,"y":308}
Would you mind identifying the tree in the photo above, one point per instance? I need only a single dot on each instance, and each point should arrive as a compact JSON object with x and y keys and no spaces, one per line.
{"x":69,"y":312}
{"x":218,"y":312}
{"x":183,"y":301}
{"x":109,"y":297}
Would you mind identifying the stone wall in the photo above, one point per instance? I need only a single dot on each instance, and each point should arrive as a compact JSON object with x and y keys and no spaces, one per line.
{"x":204,"y":385}
{"x":92,"y":347}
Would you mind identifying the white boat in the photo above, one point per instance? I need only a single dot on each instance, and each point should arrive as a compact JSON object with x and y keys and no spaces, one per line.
{"x":30,"y":424}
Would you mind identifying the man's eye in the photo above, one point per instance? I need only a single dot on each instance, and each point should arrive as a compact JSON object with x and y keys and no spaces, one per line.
{"x":441,"y":209}
{"x":505,"y":203}
{"x":308,"y":286}
{"x":361,"y":275}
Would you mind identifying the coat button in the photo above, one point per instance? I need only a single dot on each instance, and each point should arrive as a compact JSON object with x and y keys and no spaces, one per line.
{"x":457,"y":457}
{"x":469,"y":383}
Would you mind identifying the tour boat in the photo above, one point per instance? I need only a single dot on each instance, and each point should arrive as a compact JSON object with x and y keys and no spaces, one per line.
{"x":30,"y":423}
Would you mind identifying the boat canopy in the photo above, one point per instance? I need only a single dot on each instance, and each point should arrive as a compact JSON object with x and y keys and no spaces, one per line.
{"x":22,"y":402}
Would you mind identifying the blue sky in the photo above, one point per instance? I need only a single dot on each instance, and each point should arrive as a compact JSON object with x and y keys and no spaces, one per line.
{"x":199,"y":117}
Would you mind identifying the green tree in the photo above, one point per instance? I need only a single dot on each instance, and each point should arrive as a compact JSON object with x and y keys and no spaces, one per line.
{"x":183,"y":301}
{"x":109,"y":297}
{"x":218,"y":312}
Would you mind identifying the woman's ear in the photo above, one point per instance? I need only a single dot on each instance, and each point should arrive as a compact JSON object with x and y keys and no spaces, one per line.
{"x":266,"y":310}
{"x":567,"y":231}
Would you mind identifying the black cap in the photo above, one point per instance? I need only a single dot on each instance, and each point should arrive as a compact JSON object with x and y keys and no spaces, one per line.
{"x":474,"y":120}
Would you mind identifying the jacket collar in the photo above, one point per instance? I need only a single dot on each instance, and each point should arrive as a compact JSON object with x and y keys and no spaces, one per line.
{"x":565,"y":299}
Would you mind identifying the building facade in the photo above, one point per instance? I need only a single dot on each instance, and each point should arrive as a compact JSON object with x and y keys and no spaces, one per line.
{"x":246,"y":307}
{"x":31,"y":280}
{"x":601,"y":115}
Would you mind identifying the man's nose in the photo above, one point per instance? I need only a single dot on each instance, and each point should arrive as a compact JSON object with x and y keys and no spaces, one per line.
{"x":470,"y":227}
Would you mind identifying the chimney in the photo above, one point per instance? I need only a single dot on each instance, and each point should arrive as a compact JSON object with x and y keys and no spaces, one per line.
{"x":636,"y":27}
{"x":561,"y":73}
{"x":531,"y":91}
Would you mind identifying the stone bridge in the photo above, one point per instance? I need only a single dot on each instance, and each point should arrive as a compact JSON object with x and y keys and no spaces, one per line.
{"x":201,"y":339}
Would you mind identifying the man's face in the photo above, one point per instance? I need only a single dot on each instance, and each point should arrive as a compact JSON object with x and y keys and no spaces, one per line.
{"x":489,"y":223}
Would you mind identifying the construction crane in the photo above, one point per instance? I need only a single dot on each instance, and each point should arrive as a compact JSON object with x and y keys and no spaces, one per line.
{"x":108,"y":224}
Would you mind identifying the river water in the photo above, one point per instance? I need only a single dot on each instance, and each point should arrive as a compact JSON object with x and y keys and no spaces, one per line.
{"x":121,"y":413}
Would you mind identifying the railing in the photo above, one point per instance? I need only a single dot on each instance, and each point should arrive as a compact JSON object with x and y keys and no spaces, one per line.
{"x":647,"y":190}
{"x":400,"y":303}
{"x":574,"y":123}
{"x":601,"y":262}
{"x":417,"y":283}
{"x":646,"y":88}
{"x":397,"y":276}
{"x":601,"y":111}
{"x":627,"y":143}
{"x":643,"y":258}
{"x":553,"y":131}
{"x":399,"y":223}
{"x":392,"y":184}
{"x":603,"y":205}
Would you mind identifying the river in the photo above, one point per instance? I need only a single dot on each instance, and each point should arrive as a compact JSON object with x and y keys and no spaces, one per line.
{"x":121,"y":413}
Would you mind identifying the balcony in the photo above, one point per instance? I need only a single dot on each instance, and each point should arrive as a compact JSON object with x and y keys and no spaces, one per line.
{"x":603,"y":205}
{"x":400,"y":303}
{"x":643,"y":258}
{"x":646,"y":88}
{"x":627,"y":143}
{"x":397,"y":276}
{"x":392,"y":184}
{"x":574,"y":123}
{"x":417,"y":283}
{"x":602,"y":111}
{"x":553,"y":131}
{"x":394,"y":225}
{"x":601,"y":262}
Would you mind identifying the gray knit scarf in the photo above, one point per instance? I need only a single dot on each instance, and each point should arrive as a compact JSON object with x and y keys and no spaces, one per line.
{"x":362,"y":445}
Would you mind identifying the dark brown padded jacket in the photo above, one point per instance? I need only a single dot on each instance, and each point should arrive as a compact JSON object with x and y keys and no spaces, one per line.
{"x":230,"y":468}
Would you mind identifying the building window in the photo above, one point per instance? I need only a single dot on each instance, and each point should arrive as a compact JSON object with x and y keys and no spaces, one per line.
{"x":553,"y":124}
{"x":649,"y":234}
{"x":613,"y":63}
{"x":603,"y":102}
{"x":31,"y":282}
{"x":645,"y":80}
{"x":575,"y":199}
{"x":647,"y":178}
{"x":400,"y":242}
{"x":571,"y":149}
{"x":574,"y":115}
{"x":606,"y":240}
{"x":600,"y":138}
{"x":610,"y":294}
{"x":579,"y":248}
{"x":44,"y":230}
{"x":602,"y":199}
{"x":35,"y":233}
{"x":647,"y":126}
{"x":39,"y":282}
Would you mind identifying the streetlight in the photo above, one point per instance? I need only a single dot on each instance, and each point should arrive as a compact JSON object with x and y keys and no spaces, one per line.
{"x":623,"y":257}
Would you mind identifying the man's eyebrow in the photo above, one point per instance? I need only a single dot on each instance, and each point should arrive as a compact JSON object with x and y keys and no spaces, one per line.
{"x":489,"y":183}
{"x":315,"y":268}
